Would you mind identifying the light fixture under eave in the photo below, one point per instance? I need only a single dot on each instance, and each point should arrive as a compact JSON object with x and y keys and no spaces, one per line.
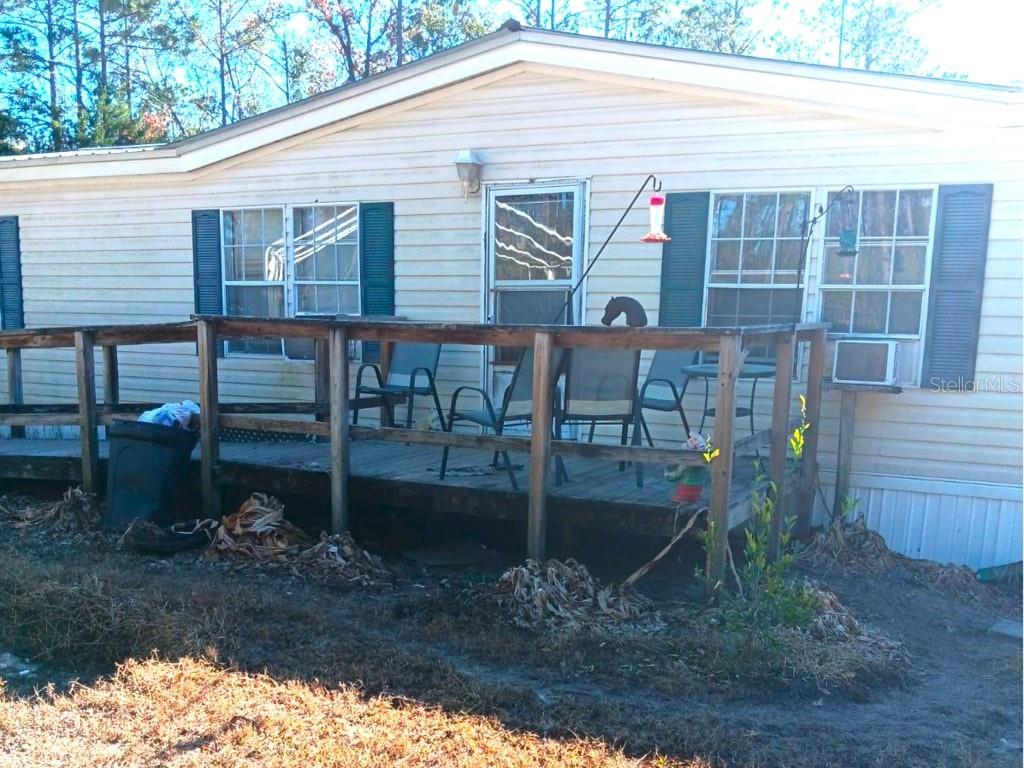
{"x":657,"y":233}
{"x":469,"y":168}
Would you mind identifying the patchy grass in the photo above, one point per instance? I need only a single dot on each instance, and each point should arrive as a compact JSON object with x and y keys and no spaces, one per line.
{"x":693,"y":653}
{"x":192,"y":713}
{"x":293,"y":664}
{"x":58,"y":612}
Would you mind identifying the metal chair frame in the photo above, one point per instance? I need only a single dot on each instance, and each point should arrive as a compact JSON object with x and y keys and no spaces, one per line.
{"x":393,"y":394}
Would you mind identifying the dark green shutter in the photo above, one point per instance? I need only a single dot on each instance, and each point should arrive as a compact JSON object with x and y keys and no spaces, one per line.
{"x":957,"y":281}
{"x":12,"y":314}
{"x":683,"y":259}
{"x":376,"y":265}
{"x":206,"y":264}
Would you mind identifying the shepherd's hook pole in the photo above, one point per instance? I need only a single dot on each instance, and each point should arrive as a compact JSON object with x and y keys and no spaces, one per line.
{"x":655,"y":187}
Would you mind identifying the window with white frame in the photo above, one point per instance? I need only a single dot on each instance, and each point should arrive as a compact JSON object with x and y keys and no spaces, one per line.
{"x":535,"y":235}
{"x":755,"y":252}
{"x":269,"y":274}
{"x":877,"y":287}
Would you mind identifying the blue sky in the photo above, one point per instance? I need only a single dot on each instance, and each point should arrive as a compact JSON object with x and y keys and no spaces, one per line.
{"x":980,"y":38}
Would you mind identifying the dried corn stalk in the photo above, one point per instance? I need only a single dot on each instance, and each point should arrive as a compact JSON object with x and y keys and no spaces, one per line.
{"x":339,"y":555}
{"x":564,"y":595}
{"x":258,"y":532}
{"x":76,"y":511}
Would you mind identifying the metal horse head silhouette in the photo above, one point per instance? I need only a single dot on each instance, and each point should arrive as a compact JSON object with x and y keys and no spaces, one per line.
{"x":630,"y":307}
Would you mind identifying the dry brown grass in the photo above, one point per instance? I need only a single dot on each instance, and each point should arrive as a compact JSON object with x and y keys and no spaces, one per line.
{"x":191,"y":713}
{"x":58,"y":612}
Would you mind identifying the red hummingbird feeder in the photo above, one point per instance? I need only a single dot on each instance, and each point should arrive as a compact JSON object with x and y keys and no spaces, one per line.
{"x":657,"y":233}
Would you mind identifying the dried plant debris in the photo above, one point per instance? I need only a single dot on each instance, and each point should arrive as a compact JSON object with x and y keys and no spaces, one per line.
{"x":834,"y":622}
{"x":854,"y":545}
{"x":259,"y":533}
{"x":151,"y":538}
{"x":75,"y":512}
{"x":339,"y":555}
{"x":565,"y":596}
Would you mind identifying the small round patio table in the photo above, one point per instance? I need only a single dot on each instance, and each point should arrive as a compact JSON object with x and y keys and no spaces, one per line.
{"x":709,"y":371}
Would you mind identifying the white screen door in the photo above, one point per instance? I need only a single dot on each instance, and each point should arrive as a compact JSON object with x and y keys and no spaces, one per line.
{"x":534,"y":244}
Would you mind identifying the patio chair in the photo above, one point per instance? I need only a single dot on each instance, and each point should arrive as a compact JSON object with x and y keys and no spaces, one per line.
{"x":412,"y":371}
{"x":516,"y":407}
{"x":665,"y":385}
{"x":600,"y":388}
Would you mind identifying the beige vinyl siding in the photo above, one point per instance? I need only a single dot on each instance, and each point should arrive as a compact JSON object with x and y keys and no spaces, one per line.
{"x":120,"y":250}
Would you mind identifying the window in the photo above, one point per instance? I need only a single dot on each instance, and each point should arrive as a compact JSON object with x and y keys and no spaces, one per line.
{"x":755,"y":257}
{"x":326,"y":254}
{"x":535,"y":242}
{"x":267,"y":274}
{"x":879,"y":290}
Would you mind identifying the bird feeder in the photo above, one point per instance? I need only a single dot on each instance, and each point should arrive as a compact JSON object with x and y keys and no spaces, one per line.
{"x":848,"y":242}
{"x":846,"y":253}
{"x":657,"y":233}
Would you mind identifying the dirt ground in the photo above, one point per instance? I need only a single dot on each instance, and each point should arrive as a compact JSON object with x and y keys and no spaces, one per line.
{"x":416,"y":638}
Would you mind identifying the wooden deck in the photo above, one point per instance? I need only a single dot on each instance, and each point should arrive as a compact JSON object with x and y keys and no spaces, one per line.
{"x":366,"y":465}
{"x":395,"y":475}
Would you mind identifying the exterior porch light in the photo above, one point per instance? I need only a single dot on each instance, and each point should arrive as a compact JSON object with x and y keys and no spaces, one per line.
{"x":657,"y":233}
{"x":469,"y":169}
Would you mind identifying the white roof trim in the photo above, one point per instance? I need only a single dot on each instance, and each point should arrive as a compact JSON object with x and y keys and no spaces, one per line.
{"x":919,"y":102}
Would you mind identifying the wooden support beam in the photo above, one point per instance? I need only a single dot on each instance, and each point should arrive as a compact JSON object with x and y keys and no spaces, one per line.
{"x":809,"y":471}
{"x":387,"y":349}
{"x":844,"y":455}
{"x":85,"y":367}
{"x":111,"y":379}
{"x":540,"y":446}
{"x":340,"y":448}
{"x":206,"y":337}
{"x":730,"y":360}
{"x":781,"y":399}
{"x":322,"y":378}
{"x":15,"y":391}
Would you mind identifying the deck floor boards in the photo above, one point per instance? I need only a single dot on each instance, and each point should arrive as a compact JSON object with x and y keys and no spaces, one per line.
{"x":597,"y":492}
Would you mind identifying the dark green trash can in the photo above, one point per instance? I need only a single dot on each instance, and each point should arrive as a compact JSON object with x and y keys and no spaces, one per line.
{"x":146,"y":472}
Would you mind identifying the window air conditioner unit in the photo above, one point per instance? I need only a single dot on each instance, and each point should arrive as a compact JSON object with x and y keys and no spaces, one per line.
{"x":865,"y":361}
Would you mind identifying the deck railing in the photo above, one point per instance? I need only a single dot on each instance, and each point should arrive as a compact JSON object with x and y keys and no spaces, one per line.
{"x":332,"y":387}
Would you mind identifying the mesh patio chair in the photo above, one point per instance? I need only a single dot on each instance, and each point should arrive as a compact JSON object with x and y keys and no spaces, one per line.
{"x":665,"y":385}
{"x":412,"y":371}
{"x":516,"y":407}
{"x":600,"y":388}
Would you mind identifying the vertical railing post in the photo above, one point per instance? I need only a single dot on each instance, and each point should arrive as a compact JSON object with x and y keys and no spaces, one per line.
{"x":809,"y":471}
{"x":340,"y":500}
{"x":321,"y":377}
{"x":844,"y":453}
{"x":540,"y":446}
{"x":387,"y":348}
{"x":730,"y":358}
{"x":111,"y":380}
{"x":15,"y":391}
{"x":781,"y":400}
{"x":208,"y":417}
{"x":85,"y":367}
